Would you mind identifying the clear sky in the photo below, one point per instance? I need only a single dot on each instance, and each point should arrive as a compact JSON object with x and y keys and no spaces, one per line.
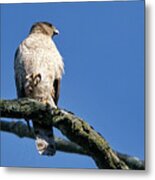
{"x":103,"y":49}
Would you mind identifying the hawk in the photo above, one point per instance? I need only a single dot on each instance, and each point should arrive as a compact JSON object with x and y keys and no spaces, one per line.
{"x":38,"y":69}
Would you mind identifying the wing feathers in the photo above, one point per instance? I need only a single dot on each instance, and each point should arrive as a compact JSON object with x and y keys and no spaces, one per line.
{"x":56,"y":90}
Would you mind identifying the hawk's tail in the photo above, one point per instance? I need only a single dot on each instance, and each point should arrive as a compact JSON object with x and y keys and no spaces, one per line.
{"x":44,"y":139}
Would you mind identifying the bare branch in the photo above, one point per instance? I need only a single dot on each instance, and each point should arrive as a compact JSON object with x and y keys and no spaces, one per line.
{"x":74,"y":128}
{"x":21,"y":130}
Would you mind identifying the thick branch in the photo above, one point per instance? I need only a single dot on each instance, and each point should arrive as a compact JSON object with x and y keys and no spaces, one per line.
{"x":71,"y":126}
{"x":21,"y":130}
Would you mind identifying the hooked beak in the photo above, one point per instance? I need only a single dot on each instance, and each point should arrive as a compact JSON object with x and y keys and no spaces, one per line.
{"x":56,"y":31}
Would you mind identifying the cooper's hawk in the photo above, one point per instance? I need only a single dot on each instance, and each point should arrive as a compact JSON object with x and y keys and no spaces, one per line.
{"x":38,"y":70}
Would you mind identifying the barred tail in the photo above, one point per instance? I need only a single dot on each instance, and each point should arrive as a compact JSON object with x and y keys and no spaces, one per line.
{"x":44,"y":139}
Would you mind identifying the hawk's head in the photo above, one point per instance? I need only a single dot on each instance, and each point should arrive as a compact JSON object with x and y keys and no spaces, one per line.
{"x":44,"y":28}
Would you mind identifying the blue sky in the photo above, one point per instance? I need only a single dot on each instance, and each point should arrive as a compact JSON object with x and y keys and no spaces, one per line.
{"x":103,"y":49}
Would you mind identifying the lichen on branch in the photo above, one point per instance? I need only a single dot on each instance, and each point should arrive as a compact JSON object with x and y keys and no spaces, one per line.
{"x":73,"y":127}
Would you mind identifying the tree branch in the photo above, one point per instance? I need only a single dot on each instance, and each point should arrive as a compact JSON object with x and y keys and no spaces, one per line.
{"x":71,"y":126}
{"x":21,"y":130}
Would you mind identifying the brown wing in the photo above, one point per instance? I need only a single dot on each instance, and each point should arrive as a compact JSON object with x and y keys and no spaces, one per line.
{"x":56,"y":90}
{"x":19,"y":73}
